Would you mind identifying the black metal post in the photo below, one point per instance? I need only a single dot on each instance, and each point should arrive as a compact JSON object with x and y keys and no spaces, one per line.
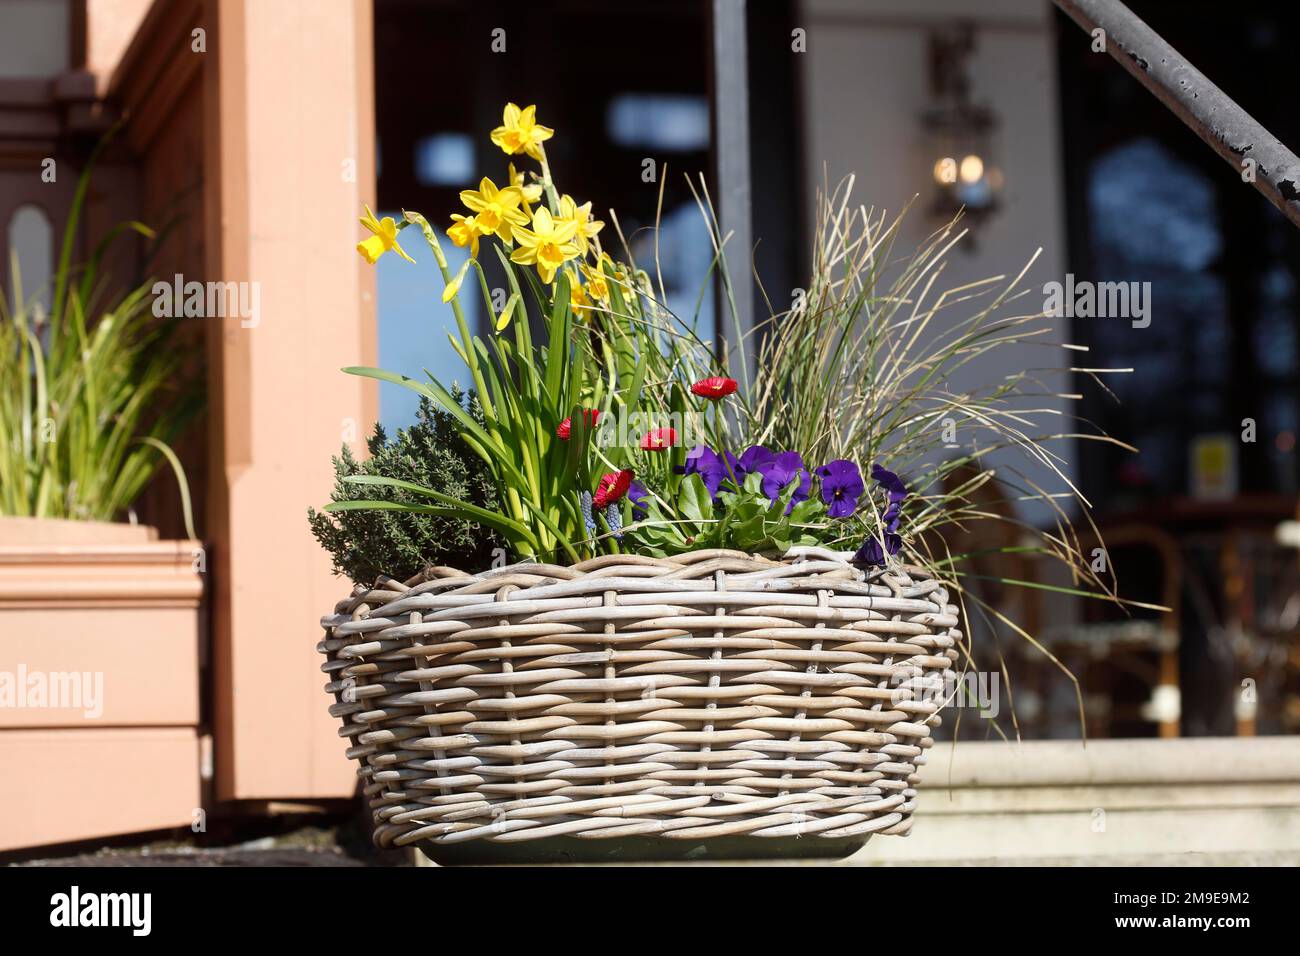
{"x":1211,"y":113}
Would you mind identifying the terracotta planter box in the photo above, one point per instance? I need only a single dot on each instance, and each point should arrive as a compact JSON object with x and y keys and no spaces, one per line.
{"x":99,"y":671}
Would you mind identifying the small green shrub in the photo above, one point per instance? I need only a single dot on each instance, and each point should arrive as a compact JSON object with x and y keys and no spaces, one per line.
{"x":367,"y":543}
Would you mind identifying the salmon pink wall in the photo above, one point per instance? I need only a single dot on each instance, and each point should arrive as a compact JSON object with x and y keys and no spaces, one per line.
{"x":255,"y":120}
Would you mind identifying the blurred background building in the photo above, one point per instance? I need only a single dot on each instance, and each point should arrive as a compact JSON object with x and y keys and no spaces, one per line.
{"x":256,"y":130}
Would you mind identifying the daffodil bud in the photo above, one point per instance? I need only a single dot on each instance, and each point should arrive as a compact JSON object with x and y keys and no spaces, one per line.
{"x":453,"y":286}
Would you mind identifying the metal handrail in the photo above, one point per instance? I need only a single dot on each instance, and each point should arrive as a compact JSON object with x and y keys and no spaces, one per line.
{"x":1253,"y":151}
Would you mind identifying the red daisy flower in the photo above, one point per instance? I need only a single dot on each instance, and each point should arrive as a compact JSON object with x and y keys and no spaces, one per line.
{"x":714,"y":388}
{"x":592,"y":415}
{"x":659,"y":439}
{"x":612,"y":487}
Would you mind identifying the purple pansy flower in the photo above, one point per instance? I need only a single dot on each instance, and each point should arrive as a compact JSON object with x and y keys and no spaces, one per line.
{"x":753,"y":459}
{"x":841,"y":486}
{"x":872,"y":552}
{"x":710,"y":466}
{"x":640,"y":499}
{"x":897,"y":493}
{"x":782,"y":469}
{"x":890,"y":482}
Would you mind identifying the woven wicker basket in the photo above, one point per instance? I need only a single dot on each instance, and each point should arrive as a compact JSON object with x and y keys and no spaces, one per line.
{"x":654,"y":707}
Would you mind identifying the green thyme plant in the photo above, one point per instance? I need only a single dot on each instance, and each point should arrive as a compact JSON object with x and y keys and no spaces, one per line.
{"x":365,"y":544}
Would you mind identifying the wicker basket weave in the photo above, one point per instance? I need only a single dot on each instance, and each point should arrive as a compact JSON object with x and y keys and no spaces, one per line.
{"x":709,"y":695}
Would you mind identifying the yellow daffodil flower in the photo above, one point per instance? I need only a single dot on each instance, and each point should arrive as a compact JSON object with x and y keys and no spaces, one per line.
{"x":465,"y":233}
{"x":579,"y":300}
{"x":495,"y":210}
{"x":570,"y":211}
{"x":617,"y":268}
{"x":548,"y":245}
{"x":531,"y":193}
{"x":384,"y":238}
{"x":520,"y":132}
{"x":597,"y":281}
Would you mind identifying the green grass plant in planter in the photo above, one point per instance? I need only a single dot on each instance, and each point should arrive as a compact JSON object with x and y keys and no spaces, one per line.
{"x":95,"y":391}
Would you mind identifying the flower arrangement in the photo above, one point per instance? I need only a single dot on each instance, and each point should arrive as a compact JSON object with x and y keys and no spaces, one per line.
{"x":768,"y":560}
{"x":609,"y":425}
{"x":571,"y":484}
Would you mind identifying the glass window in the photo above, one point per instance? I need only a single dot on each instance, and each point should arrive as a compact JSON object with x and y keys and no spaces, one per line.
{"x":1147,"y":202}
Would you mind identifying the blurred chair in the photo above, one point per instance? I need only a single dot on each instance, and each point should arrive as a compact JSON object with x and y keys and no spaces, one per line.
{"x":993,"y":560}
{"x":1127,"y":665}
{"x":1114,"y":651}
